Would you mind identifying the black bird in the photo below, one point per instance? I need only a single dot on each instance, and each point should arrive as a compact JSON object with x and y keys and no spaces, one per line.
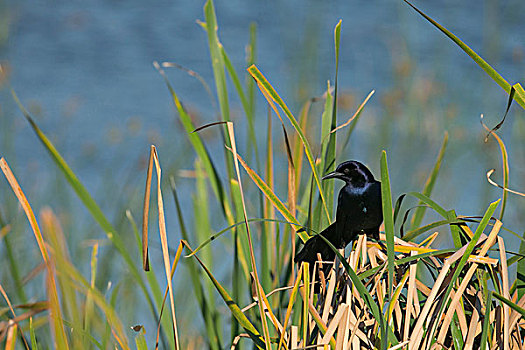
{"x":359,"y":211}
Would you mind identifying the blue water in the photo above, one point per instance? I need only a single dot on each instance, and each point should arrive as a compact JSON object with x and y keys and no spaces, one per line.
{"x":85,"y":71}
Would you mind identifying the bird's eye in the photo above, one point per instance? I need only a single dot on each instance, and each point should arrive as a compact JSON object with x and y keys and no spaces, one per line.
{"x":346,"y":171}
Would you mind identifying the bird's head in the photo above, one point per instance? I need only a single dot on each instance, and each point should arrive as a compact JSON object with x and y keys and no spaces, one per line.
{"x":353,"y":173}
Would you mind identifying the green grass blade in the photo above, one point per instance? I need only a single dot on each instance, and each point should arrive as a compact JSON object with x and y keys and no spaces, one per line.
{"x":512,"y":305}
{"x":429,"y":185}
{"x":520,"y":273}
{"x":270,"y":92}
{"x":439,"y":209}
{"x":218,"y":66}
{"x":388,"y":218}
{"x":232,"y":305}
{"x":34,"y":344}
{"x":486,"y":322}
{"x":209,"y":315}
{"x":491,"y":72}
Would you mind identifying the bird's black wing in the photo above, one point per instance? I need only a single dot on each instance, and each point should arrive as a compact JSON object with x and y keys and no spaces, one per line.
{"x":317,"y":245}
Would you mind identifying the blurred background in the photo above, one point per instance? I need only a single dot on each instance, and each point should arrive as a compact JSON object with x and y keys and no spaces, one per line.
{"x":84,"y":70}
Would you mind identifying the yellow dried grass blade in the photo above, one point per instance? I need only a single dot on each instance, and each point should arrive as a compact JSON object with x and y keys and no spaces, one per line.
{"x":163,"y":237}
{"x":55,"y":312}
{"x":472,"y":269}
{"x":291,"y":301}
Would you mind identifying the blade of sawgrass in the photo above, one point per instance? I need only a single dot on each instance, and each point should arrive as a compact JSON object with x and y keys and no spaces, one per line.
{"x":209,"y":315}
{"x":259,"y":289}
{"x":388,"y":218}
{"x":200,"y":149}
{"x":419,"y":213}
{"x":491,"y":72}
{"x":54,"y":303}
{"x":232,"y":305}
{"x":272,"y":96}
{"x":469,"y":248}
{"x":163,"y":238}
{"x":88,"y":202}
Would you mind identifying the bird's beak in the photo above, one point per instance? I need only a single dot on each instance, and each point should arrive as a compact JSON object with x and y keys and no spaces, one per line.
{"x":333,"y":174}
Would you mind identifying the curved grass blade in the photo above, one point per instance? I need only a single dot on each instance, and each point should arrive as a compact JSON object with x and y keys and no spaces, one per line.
{"x":504,"y":158}
{"x":269,"y":91}
{"x":429,"y":185}
{"x":491,"y":72}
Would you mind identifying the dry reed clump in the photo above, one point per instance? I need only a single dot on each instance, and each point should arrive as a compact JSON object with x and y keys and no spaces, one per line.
{"x":419,"y":312}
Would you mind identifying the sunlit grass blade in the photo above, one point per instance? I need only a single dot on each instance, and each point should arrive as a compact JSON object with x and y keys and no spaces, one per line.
{"x":163,"y":238}
{"x":388,"y":218}
{"x":232,"y":305}
{"x":491,"y":72}
{"x":419,"y":213}
{"x":263,"y":84}
{"x":54,"y":303}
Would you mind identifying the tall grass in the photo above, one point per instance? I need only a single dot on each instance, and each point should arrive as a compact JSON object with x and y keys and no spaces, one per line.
{"x":414,"y":296}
